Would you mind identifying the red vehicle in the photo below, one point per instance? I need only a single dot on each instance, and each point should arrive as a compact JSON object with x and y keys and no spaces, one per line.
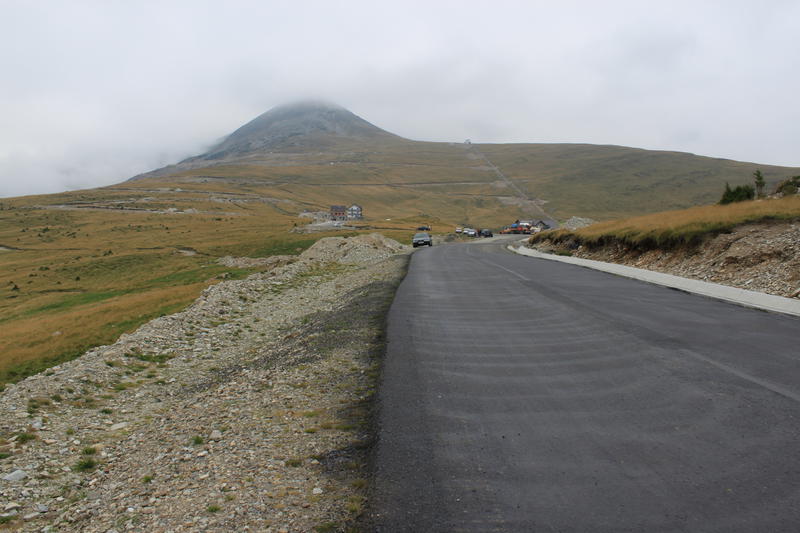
{"x":516,"y":229}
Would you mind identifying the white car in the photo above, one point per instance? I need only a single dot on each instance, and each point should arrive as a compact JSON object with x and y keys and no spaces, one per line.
{"x":470,"y":232}
{"x":459,"y":229}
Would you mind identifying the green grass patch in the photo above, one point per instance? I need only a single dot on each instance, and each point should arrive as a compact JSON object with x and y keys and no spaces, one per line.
{"x":24,"y":437}
{"x":159,"y":358}
{"x":85,"y":465}
{"x":74,"y":300}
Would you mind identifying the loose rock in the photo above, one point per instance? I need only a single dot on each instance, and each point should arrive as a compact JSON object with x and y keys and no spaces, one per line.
{"x":16,"y":475}
{"x":233,"y":409}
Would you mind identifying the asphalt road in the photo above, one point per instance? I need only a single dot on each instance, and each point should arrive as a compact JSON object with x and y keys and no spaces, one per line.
{"x":527,"y":395}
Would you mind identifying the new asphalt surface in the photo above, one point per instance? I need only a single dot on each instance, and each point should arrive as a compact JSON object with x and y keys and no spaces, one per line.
{"x":521,"y":394}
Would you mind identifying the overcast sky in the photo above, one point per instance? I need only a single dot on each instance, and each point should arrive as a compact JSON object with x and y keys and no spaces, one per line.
{"x":92,"y":93}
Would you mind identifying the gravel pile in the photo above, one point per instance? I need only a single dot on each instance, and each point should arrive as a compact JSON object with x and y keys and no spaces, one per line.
{"x":248,"y":411}
{"x":362,"y":249}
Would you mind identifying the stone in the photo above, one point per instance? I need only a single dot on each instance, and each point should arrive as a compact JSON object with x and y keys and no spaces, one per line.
{"x":317,"y":490}
{"x":16,"y":475}
{"x":215,"y":435}
{"x":42,"y":508}
{"x":117,"y":427}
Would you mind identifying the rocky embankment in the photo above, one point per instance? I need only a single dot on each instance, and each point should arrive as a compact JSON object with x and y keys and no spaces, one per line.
{"x":248,"y":411}
{"x":761,"y":257}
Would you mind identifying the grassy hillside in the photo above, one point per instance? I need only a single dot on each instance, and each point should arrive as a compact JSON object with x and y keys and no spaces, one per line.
{"x":677,"y":228}
{"x":72,"y":278}
{"x":77,"y":269}
{"x":605,"y":182}
{"x":601,"y":182}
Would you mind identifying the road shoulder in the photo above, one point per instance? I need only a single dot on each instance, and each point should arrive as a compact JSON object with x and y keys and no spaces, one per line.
{"x":752,"y":299}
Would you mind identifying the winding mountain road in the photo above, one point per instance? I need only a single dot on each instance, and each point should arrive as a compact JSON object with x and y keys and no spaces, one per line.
{"x":526,"y":395}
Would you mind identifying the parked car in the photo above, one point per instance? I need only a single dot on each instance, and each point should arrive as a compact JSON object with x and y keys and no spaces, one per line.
{"x":516,"y":228}
{"x":421,"y":239}
{"x":486,"y":233}
{"x":459,"y":229}
{"x":424,"y":228}
{"x":469,"y":232}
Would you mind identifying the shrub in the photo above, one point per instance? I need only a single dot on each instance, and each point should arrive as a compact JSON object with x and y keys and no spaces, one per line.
{"x":740,"y":193}
{"x":789,"y":186}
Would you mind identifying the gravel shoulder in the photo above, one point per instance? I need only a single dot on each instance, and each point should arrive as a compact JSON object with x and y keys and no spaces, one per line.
{"x":248,"y":411}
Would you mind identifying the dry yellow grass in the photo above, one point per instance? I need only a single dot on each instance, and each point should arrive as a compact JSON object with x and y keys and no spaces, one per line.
{"x":674,"y":228}
{"x":29,"y":344}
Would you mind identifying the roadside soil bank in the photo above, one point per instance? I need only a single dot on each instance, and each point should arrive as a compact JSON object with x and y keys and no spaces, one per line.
{"x":248,"y":411}
{"x":761,"y":257}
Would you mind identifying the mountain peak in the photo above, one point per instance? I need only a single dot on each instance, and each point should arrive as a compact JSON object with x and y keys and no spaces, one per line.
{"x":306,"y":124}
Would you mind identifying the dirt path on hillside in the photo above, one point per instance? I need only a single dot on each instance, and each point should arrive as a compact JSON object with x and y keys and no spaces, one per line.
{"x":532,"y":205}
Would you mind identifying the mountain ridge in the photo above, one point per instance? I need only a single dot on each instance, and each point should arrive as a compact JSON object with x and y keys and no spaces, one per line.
{"x":294,"y":128}
{"x":315,"y":143}
{"x":296,"y":125}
